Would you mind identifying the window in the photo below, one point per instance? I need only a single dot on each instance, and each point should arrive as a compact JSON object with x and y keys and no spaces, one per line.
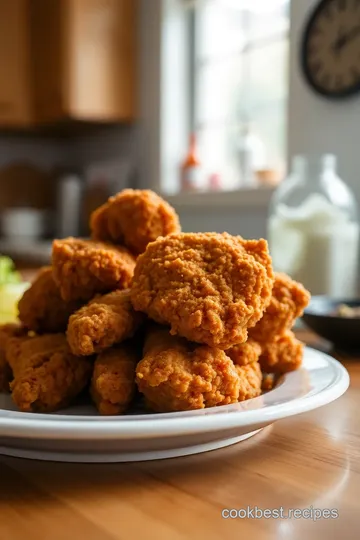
{"x":240,"y":88}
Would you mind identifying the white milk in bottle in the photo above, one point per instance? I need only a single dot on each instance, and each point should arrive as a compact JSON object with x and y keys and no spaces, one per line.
{"x":313,"y":228}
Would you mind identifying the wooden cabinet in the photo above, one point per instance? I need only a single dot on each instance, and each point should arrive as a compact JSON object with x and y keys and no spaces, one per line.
{"x":48,"y":68}
{"x":15,"y":76}
{"x":64,"y":60}
{"x":100,"y":59}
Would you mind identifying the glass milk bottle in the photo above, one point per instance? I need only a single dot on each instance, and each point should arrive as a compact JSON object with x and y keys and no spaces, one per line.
{"x":313,"y":228}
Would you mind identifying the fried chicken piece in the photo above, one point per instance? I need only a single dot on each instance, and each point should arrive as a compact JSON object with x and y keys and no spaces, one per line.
{"x":209,"y":287}
{"x":7,"y":331}
{"x":134,"y":218}
{"x":5,"y":373}
{"x":175,"y":375}
{"x":283,"y":355}
{"x":20,"y":348}
{"x":104,"y":321}
{"x":244,"y":353}
{"x":250,"y":380}
{"x":46,"y":375}
{"x":84,"y":268}
{"x":41,"y":307}
{"x":113,"y":381}
{"x":268,"y":382}
{"x":159,"y":339}
{"x":288,"y":300}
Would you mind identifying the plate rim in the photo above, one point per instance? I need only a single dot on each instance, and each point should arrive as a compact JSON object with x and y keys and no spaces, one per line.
{"x":27,"y":425}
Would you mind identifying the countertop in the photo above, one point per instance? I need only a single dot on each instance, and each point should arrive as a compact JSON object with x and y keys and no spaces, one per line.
{"x":310,"y":460}
{"x":31,"y":253}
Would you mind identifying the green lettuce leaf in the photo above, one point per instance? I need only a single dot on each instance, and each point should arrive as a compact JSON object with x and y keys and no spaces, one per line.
{"x":8,"y":274}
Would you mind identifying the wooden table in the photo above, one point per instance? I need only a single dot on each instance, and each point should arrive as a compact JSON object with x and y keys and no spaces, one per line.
{"x":310,"y":460}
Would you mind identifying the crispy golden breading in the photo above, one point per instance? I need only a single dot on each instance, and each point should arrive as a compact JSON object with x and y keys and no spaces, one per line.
{"x":250,"y":381}
{"x":288,"y":300}
{"x":113,"y":381}
{"x":159,"y":339}
{"x":46,"y":375}
{"x":20,"y":349}
{"x":175,"y":375}
{"x":84,"y":268}
{"x":7,"y":331}
{"x":210,"y":288}
{"x":268,"y":382}
{"x":104,"y":321}
{"x":283,"y":355}
{"x":245,"y":353}
{"x":41,"y":307}
{"x":134,"y":218}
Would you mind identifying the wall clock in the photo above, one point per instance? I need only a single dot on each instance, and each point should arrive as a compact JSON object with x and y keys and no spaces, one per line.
{"x":331,"y":48}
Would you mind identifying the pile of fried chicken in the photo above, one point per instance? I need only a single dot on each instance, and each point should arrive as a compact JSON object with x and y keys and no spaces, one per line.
{"x":186,"y":320}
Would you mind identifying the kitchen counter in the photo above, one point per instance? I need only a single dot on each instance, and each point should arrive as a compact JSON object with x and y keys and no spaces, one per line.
{"x":308,"y":460}
{"x":29,"y":253}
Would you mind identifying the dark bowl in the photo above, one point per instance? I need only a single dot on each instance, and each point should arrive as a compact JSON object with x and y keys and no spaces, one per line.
{"x":343,"y":332}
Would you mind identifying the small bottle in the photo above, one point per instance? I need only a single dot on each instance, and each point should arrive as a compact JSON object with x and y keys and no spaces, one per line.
{"x":192,"y":174}
{"x":251,"y":152}
{"x":314,"y":230}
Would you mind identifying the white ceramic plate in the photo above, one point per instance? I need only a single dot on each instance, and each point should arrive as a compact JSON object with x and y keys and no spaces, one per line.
{"x":77,"y":434}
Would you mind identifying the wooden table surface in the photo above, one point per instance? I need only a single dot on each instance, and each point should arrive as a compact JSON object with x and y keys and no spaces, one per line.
{"x":312,"y":460}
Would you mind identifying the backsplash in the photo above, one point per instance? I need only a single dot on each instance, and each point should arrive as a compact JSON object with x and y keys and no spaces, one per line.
{"x":29,"y":165}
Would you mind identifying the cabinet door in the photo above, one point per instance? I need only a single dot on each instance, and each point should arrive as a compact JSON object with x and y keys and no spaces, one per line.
{"x":15,"y":85}
{"x":100,"y":59}
{"x":46,"y":26}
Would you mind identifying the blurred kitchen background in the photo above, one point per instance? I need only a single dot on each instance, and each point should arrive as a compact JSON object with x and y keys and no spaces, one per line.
{"x":203,"y":101}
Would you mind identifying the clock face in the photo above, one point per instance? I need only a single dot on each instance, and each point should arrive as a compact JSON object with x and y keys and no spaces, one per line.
{"x":331,"y":48}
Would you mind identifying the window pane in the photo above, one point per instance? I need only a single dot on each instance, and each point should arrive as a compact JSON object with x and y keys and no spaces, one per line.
{"x":266,"y":95}
{"x":266,"y":23}
{"x":225,"y":27}
{"x":268,"y":123}
{"x":266,"y":74}
{"x":249,"y":90}
{"x":218,"y":30}
{"x":218,"y":151}
{"x":219,"y":87}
